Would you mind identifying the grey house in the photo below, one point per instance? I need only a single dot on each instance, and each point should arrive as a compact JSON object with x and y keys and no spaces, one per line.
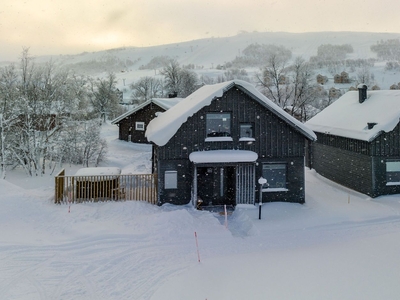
{"x":212,"y":147}
{"x":358,"y":143}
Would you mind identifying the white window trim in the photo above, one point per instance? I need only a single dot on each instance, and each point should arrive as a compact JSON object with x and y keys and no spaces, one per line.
{"x":392,"y":183}
{"x":271,"y":190}
{"x":139,"y":126}
{"x":247,"y":139}
{"x":170,"y":180}
{"x":219,"y":139}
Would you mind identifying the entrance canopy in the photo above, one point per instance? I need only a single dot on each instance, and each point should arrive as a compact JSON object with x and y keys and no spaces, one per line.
{"x":223,"y":156}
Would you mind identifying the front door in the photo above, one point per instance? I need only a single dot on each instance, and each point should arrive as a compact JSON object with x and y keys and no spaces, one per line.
{"x":216,"y":185}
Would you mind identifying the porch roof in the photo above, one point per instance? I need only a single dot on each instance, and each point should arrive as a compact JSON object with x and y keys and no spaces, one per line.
{"x":223,"y":156}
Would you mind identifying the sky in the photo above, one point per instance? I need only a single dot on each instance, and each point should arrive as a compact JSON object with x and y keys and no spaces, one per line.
{"x":74,"y":26}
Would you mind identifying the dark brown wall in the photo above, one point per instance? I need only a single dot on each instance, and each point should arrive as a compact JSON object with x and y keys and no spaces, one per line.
{"x":353,"y":170}
{"x":356,"y":164}
{"x":145,"y":115}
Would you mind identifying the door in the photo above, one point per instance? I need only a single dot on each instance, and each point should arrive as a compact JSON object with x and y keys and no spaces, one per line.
{"x":216,"y":185}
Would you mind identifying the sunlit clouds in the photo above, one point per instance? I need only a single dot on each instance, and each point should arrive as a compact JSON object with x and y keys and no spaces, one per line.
{"x":62,"y":27}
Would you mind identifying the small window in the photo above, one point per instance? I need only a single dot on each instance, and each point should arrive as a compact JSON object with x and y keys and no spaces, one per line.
{"x":393,"y":172}
{"x":171,"y":180}
{"x":218,"y":124}
{"x":139,"y":126}
{"x":275,"y":173}
{"x":246,"y":131}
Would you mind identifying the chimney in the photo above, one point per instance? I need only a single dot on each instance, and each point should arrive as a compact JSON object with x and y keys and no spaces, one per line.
{"x":362,"y":92}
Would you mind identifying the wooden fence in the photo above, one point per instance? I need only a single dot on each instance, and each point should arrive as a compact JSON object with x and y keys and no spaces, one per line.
{"x":76,"y":189}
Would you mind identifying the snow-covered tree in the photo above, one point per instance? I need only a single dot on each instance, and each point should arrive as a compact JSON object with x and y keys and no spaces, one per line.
{"x":104,"y":96}
{"x":80,"y":143}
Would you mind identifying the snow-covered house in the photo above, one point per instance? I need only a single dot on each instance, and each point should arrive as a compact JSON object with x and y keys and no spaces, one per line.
{"x":358,"y":142}
{"x":213,"y":146}
{"x":132,"y":124}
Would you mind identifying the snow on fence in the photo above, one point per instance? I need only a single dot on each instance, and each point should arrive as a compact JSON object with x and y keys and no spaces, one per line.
{"x":93,"y":188}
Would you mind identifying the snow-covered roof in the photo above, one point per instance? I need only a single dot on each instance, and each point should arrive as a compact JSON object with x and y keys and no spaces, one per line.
{"x":161,"y":129}
{"x":98,"y":171}
{"x":223,"y":156}
{"x":347,"y":117}
{"x":165,"y":103}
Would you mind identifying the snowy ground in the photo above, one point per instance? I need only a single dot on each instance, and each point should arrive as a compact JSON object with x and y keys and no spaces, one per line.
{"x":339,"y":245}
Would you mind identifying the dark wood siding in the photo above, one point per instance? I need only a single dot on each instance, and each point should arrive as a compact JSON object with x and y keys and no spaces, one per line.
{"x":353,"y":170}
{"x":387,"y":144}
{"x":127,"y":125}
{"x":182,"y":194}
{"x":343,"y":143}
{"x":273,"y":136}
{"x":275,"y":140}
{"x":359,"y":165}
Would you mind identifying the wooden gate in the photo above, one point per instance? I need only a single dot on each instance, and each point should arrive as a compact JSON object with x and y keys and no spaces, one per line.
{"x":75,"y":189}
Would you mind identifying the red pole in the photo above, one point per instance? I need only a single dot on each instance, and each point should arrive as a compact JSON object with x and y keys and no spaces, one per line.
{"x":197,"y":246}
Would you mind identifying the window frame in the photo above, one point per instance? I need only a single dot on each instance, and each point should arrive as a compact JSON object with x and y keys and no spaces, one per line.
{"x":209,"y":135}
{"x":140,"y":126}
{"x":271,"y":187}
{"x":392,"y":168}
{"x":170,"y":179}
{"x":246,"y":138}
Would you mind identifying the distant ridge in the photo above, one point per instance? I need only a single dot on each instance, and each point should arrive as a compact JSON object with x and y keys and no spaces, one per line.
{"x":217,"y":50}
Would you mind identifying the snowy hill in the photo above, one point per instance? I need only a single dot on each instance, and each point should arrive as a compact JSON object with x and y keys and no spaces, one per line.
{"x":207,"y":54}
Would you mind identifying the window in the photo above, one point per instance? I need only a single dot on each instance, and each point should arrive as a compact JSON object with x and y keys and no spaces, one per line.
{"x":171,"y":180}
{"x":275,"y":173}
{"x":393,"y":172}
{"x":218,"y":125}
{"x":139,"y":126}
{"x":246,"y":130}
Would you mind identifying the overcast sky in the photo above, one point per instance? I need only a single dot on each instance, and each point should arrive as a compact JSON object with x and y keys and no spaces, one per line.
{"x":74,"y":26}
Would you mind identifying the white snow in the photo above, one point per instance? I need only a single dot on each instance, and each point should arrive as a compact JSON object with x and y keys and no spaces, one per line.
{"x":223,"y":156}
{"x":98,"y":171}
{"x":161,"y":129}
{"x":347,"y":117}
{"x":338,"y":245}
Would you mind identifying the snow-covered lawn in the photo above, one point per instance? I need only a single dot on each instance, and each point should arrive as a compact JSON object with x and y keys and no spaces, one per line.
{"x":339,"y":245}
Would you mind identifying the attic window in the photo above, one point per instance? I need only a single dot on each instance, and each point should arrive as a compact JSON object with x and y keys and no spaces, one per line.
{"x":371,"y":125}
{"x":139,"y":126}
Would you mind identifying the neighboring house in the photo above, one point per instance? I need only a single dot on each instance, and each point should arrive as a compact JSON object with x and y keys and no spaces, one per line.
{"x":132,"y":124}
{"x":358,"y":142}
{"x":214,"y":145}
{"x":322,"y":79}
{"x":342,"y":78}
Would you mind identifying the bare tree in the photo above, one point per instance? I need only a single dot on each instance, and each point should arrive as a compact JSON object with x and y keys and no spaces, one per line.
{"x":178,"y":81}
{"x":274,"y":79}
{"x":146,"y":88}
